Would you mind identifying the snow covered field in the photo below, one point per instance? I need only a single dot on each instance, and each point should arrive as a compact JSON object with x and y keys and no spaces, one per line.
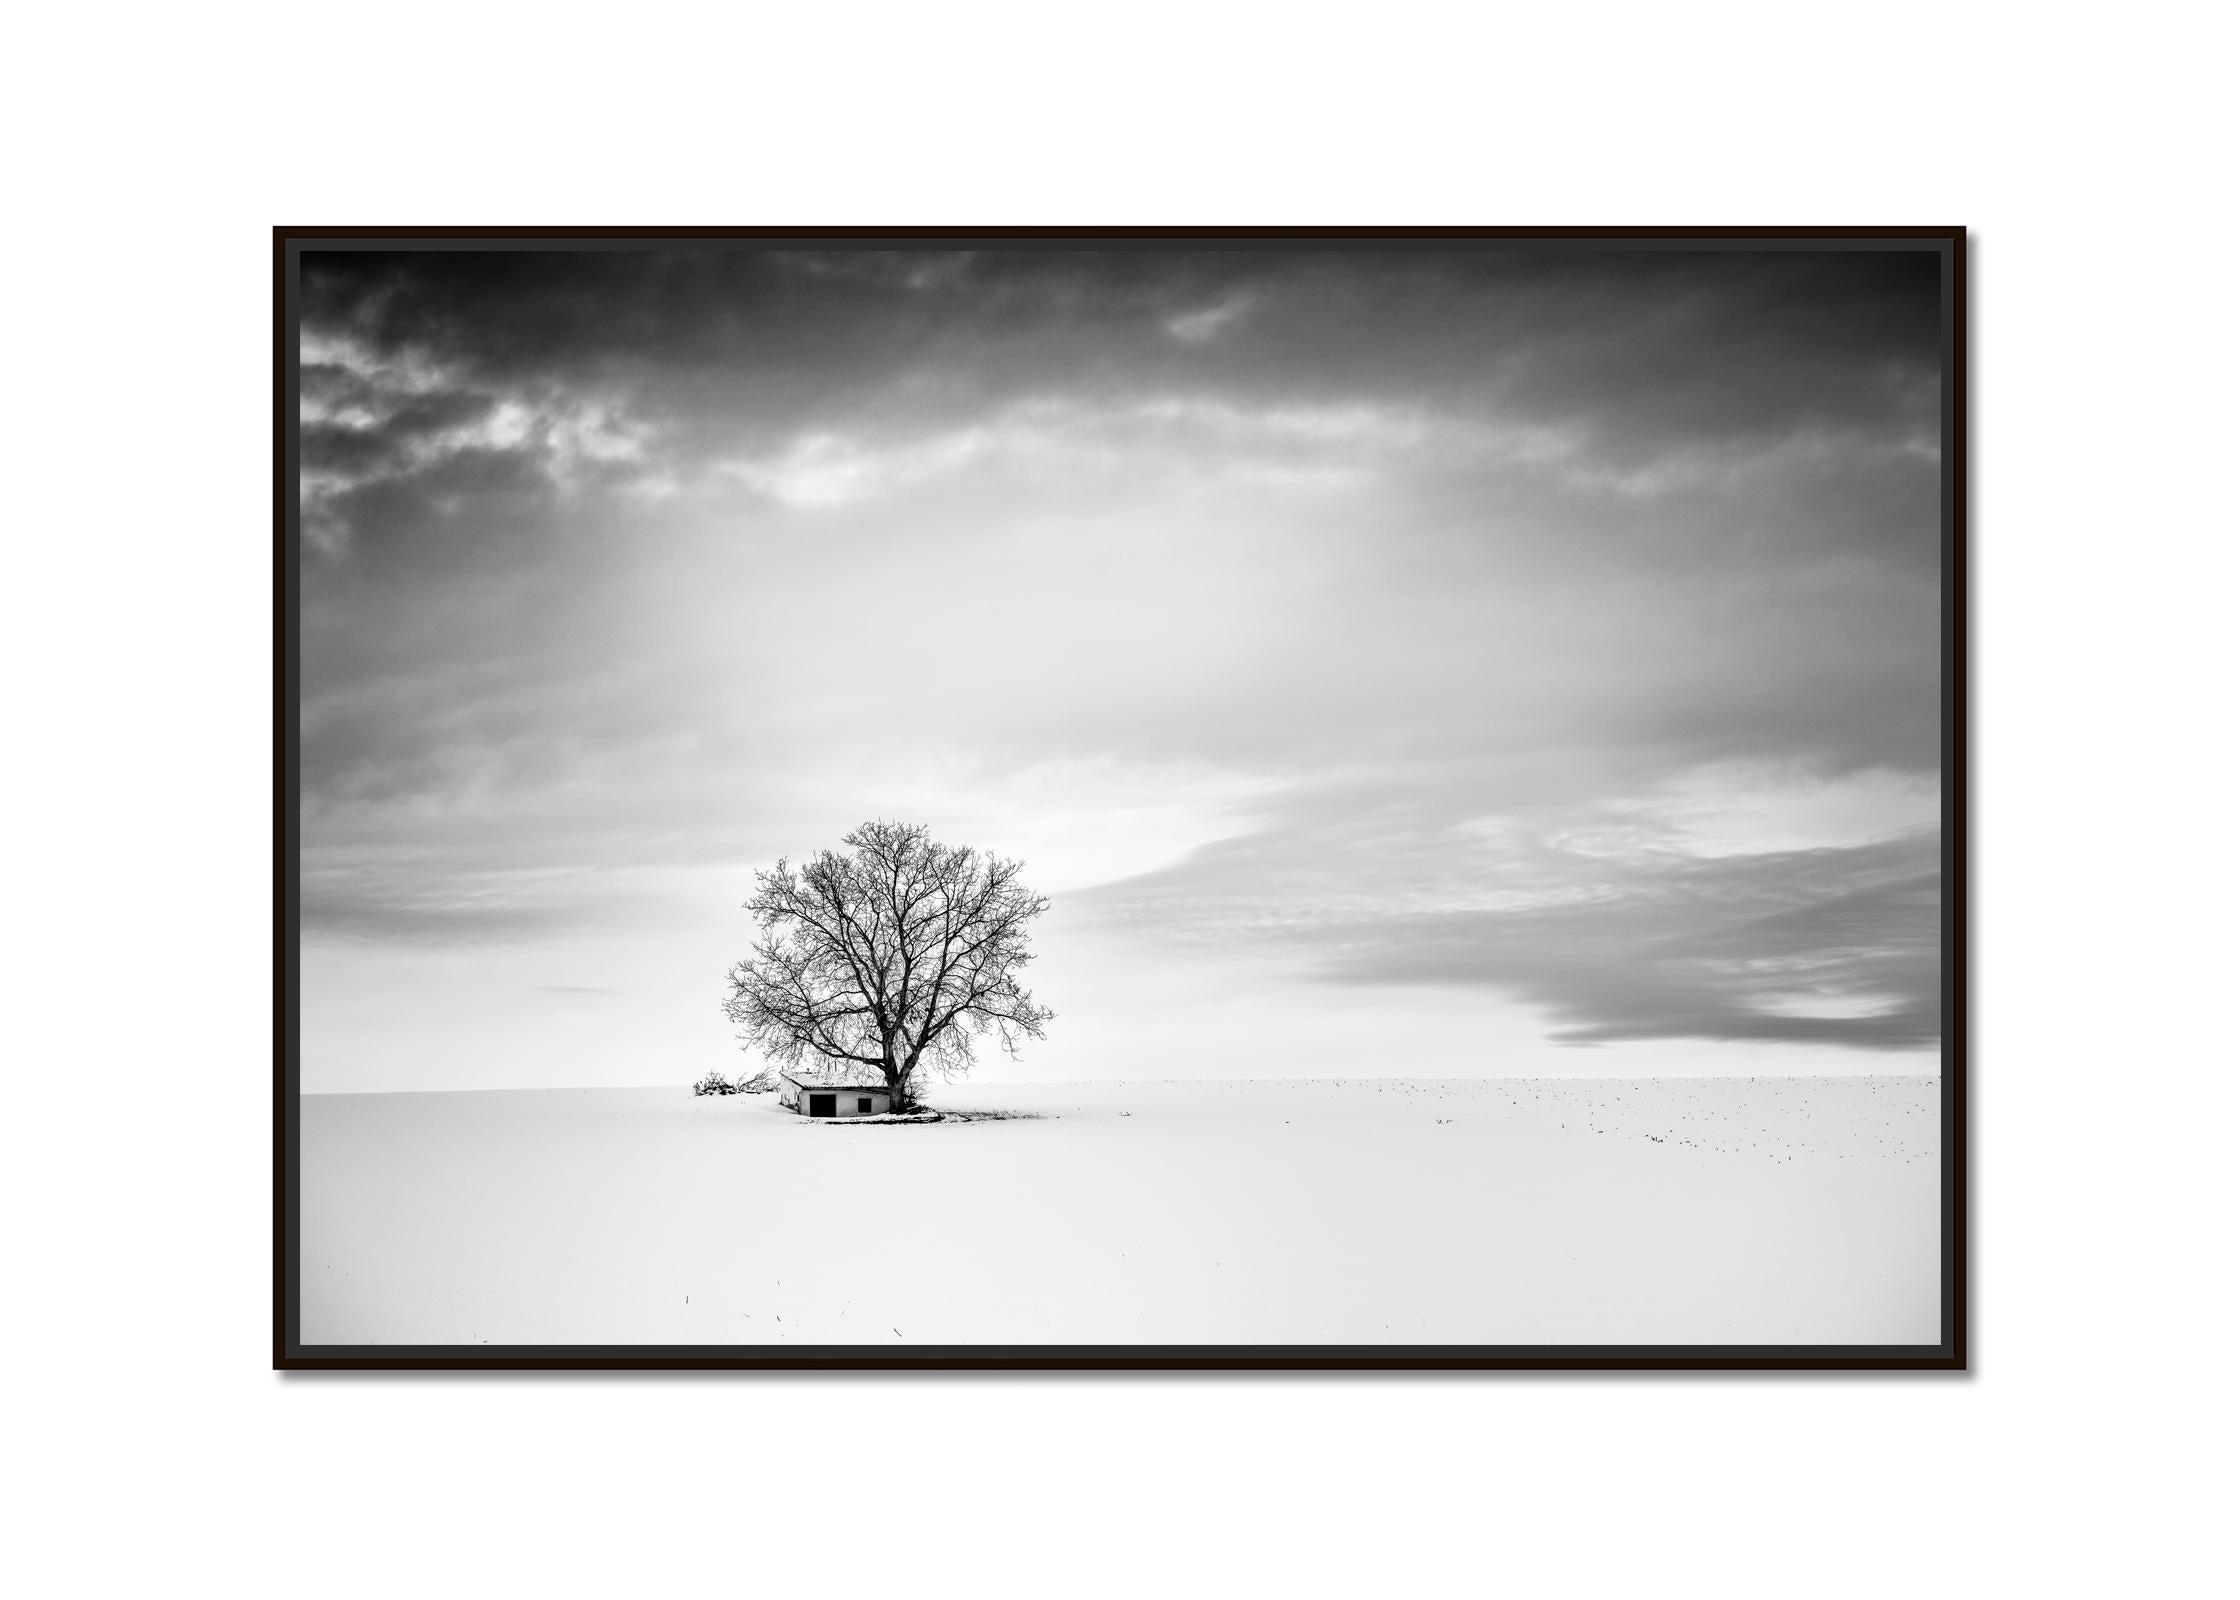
{"x":1731,"y":1210}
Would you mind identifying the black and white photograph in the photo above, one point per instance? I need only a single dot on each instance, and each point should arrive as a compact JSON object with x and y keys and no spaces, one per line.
{"x":1136,"y":798}
{"x":1192,"y":800}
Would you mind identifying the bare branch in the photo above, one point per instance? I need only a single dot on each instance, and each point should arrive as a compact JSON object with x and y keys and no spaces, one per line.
{"x":898,"y":953}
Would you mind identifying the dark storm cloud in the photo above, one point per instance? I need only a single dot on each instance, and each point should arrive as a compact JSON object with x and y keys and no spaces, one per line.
{"x":1660,"y":350}
{"x":1716,"y":949}
{"x":1648,"y":370}
{"x":1639,"y":941}
{"x":510,"y":316}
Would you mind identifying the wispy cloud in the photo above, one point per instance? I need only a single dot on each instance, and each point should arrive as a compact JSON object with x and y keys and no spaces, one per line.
{"x":1207,"y":322}
{"x":369,"y":422}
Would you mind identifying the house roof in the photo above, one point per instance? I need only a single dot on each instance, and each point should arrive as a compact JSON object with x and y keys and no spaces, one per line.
{"x":836,"y":1075}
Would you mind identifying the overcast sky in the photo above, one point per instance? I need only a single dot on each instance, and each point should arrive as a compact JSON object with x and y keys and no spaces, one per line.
{"x":1424,"y":663}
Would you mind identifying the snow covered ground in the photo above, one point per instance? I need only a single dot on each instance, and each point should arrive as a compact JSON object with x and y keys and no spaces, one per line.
{"x":1730,"y":1210}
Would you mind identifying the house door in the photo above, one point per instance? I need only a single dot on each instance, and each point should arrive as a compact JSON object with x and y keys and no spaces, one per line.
{"x":821,"y":1105}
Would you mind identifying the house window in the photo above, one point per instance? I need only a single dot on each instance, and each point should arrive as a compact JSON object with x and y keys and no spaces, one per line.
{"x":863,"y":1102}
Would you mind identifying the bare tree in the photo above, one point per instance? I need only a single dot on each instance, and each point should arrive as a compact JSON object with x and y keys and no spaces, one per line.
{"x":899,"y":953}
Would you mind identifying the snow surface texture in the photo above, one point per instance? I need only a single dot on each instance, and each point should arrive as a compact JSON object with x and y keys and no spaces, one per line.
{"x":1775,"y":1210}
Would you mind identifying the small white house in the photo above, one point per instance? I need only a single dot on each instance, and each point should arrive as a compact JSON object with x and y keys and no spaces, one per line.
{"x":835,"y":1089}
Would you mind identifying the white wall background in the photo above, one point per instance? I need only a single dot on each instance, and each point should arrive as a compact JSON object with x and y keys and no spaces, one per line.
{"x":152,"y":149}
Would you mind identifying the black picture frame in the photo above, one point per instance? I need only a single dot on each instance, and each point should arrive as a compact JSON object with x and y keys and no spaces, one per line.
{"x":1949,"y":1354}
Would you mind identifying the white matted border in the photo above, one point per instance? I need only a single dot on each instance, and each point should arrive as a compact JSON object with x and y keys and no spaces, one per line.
{"x":137,"y":649}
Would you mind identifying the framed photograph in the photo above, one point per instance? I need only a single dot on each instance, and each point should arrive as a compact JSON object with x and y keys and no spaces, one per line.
{"x":1121,"y":799}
